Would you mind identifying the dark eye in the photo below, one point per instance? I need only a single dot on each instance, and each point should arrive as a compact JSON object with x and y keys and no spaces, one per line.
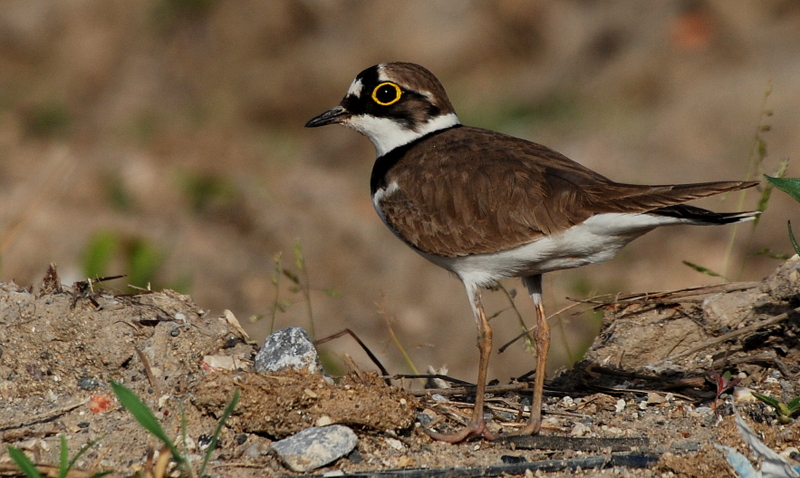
{"x":386,"y":93}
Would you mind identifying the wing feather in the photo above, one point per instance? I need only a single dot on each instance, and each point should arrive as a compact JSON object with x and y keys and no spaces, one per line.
{"x":518,"y":191}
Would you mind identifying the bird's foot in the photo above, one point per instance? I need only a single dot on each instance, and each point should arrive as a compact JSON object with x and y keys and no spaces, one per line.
{"x":473,"y":429}
{"x":532,"y":428}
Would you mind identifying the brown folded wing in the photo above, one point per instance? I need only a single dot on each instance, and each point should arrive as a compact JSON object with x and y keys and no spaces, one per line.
{"x":493,"y":192}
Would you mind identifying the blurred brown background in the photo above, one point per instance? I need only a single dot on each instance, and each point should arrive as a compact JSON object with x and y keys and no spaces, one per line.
{"x":164,"y":139}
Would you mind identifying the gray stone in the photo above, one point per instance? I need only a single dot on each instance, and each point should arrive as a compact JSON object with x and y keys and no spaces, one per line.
{"x":726,"y":311}
{"x":285,"y":348}
{"x":315,"y":447}
{"x":784,"y":283}
{"x":87,"y":383}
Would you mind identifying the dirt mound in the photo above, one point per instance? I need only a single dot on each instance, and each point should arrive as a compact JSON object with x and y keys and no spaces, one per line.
{"x":283,"y":403}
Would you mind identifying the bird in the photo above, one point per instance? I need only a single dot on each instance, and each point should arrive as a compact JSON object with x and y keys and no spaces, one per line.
{"x":487,"y":206}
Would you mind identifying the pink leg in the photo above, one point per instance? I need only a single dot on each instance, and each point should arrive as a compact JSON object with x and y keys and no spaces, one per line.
{"x":477,"y":424}
{"x":541,"y":337}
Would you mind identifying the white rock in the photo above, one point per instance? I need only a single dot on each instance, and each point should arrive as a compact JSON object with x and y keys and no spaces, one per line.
{"x":315,"y":447}
{"x":743,"y":395}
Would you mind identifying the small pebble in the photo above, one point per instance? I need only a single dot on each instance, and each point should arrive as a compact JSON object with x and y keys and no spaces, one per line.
{"x":513,"y":460}
{"x":253,"y":451}
{"x":550,"y":422}
{"x":189,"y":443}
{"x":396,"y":444}
{"x":315,"y":447}
{"x":355,"y":457}
{"x":322,"y":421}
{"x":620,"y":405}
{"x":655,"y":398}
{"x":230,"y":342}
{"x":504,"y":416}
{"x":423,"y":418}
{"x":690,"y":446}
{"x":579,"y":430}
{"x":287,"y":348}
{"x":704,"y":410}
{"x":87,"y":383}
{"x":743,"y":395}
{"x":162,"y":400}
{"x":204,"y":440}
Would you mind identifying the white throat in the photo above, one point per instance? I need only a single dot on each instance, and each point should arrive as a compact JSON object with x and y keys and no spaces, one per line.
{"x":387,"y":134}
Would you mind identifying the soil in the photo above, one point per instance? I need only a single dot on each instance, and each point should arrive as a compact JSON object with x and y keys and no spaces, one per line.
{"x":649,"y":391}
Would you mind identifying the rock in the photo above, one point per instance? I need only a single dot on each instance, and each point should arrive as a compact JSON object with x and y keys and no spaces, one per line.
{"x":223,"y":362}
{"x":580,"y":430}
{"x":784,"y":283}
{"x":743,"y":395}
{"x":285,"y":348}
{"x":315,"y":447}
{"x":655,"y":398}
{"x":88,"y":383}
{"x":725,"y":312}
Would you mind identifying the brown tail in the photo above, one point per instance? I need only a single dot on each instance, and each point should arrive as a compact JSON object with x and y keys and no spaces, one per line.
{"x":662,"y":198}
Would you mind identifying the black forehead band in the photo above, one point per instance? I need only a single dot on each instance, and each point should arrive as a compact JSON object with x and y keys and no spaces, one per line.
{"x":369,"y":76}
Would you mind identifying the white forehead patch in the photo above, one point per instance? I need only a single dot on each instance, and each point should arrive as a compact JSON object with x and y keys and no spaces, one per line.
{"x":381,"y":76}
{"x":355,"y":88}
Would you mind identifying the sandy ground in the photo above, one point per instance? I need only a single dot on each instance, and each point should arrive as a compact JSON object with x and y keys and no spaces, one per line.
{"x":647,"y":392}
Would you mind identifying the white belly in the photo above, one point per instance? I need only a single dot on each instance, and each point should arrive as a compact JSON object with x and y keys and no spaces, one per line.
{"x":596,"y":240}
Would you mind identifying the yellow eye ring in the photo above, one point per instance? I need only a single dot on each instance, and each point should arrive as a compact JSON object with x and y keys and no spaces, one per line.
{"x":386,"y":97}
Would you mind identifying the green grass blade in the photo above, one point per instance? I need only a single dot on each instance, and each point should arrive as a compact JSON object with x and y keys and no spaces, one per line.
{"x":227,"y":413}
{"x":23,"y":462}
{"x":145,"y":417}
{"x":80,"y":453}
{"x":794,"y":405}
{"x":795,"y":245}
{"x":702,"y":270}
{"x":768,"y":187}
{"x":763,"y":202}
{"x":63,"y":463}
{"x":769,"y":401}
{"x":790,"y":186}
{"x":766,"y":251}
